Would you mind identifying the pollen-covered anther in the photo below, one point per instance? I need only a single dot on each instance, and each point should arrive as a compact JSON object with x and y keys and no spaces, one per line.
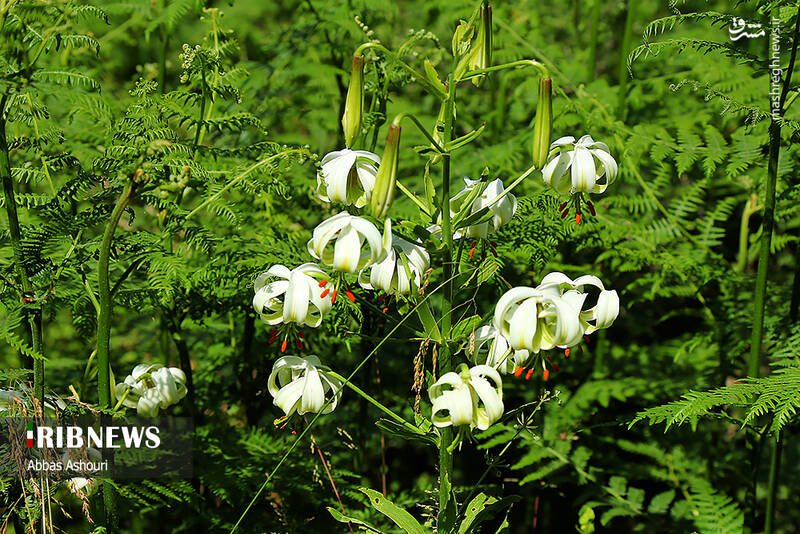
{"x":566,"y":352}
{"x":577,"y":218}
{"x":591,"y":207}
{"x":350,"y":295}
{"x":323,"y":282}
{"x":529,"y":373}
{"x":299,"y":343}
{"x":518,"y":371}
{"x":472,"y":249}
{"x":325,"y":293}
{"x":283,"y":345}
{"x":333,"y":295}
{"x":546,"y":374}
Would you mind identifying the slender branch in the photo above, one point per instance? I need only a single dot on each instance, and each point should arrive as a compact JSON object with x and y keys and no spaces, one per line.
{"x":421,"y":78}
{"x":513,"y":65}
{"x":241,"y":177}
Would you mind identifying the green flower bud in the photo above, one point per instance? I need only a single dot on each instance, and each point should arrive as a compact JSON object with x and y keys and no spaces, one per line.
{"x":385,"y":180}
{"x":543,"y":127}
{"x":481,"y":53}
{"x":351,"y":119}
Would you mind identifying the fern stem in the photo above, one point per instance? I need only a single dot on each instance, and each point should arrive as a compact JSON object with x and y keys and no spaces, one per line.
{"x":623,"y":60}
{"x":446,"y":434}
{"x":35,"y":313}
{"x":774,"y":474}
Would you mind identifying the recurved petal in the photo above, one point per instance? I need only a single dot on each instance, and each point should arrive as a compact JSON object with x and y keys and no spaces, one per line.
{"x":583,"y":171}
{"x":288,"y":397}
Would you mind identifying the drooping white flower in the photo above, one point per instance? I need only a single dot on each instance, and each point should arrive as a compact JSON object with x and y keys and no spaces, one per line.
{"x":78,"y":485}
{"x":532,"y":320}
{"x":337,"y":242}
{"x":553,"y":314}
{"x":599,"y":316}
{"x":291,"y":296}
{"x":347,"y":176}
{"x":502,"y":210}
{"x":151,"y":388}
{"x":582,"y":166}
{"x":492,"y":349}
{"x":300,"y":384}
{"x":390,"y":275}
{"x":471,"y":397}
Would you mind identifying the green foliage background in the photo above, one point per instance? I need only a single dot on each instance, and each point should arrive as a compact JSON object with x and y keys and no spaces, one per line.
{"x":675,"y":236}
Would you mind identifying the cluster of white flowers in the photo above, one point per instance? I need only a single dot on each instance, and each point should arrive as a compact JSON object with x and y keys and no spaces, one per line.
{"x":526,"y":321}
{"x":150,"y":388}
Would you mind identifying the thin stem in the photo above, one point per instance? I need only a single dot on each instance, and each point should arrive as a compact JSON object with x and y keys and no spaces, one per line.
{"x":370,"y":399}
{"x":35,"y":313}
{"x":591,"y":67}
{"x":419,"y":77}
{"x":399,"y":118}
{"x":514,"y":64}
{"x":446,"y":434}
{"x":774,"y":475}
{"x":750,"y":208}
{"x":623,"y":60}
{"x":241,"y":177}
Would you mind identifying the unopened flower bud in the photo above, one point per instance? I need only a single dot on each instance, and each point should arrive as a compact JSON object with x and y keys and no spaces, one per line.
{"x":481,"y":54}
{"x":543,"y":126}
{"x":385,"y":180}
{"x":351,"y":119}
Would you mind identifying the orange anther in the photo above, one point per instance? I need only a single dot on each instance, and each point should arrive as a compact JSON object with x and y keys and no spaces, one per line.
{"x":333,"y":297}
{"x":546,"y":374}
{"x":323,"y":282}
{"x":528,"y":374}
{"x":283,"y":346}
{"x":350,"y":295}
{"x":325,"y":293}
{"x":577,"y":218}
{"x":518,"y":371}
{"x":566,"y":352}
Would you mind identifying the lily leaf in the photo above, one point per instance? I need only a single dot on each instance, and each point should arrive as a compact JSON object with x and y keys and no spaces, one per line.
{"x":465,"y":327}
{"x":464,"y":139}
{"x":341,"y":518}
{"x":395,"y":429}
{"x":401,"y":518}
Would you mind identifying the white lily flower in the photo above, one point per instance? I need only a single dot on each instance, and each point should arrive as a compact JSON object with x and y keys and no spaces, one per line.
{"x":346,"y":234}
{"x":502,"y":210}
{"x":533,"y":320}
{"x":151,"y":388}
{"x":301,"y":301}
{"x":492,"y":349}
{"x":601,"y":315}
{"x":390,"y":275}
{"x":300,"y":384}
{"x":553,"y":314}
{"x":347,"y":176}
{"x":473,"y":397}
{"x":582,"y":166}
{"x":78,"y":485}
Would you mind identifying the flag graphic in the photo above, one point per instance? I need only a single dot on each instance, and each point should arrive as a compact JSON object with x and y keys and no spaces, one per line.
{"x":30,"y":435}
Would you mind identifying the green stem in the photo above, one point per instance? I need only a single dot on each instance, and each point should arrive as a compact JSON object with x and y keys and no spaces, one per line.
{"x":774,"y":474}
{"x":199,"y":131}
{"x":34,"y":314}
{"x":623,"y":60}
{"x":767,"y":224}
{"x":375,"y":403}
{"x":419,"y":77}
{"x":750,"y":208}
{"x":104,"y":291}
{"x":514,"y":64}
{"x":445,"y":455}
{"x":591,"y":67}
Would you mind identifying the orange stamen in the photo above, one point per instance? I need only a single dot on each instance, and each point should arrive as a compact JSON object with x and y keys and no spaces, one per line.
{"x":577,"y":218}
{"x":546,"y":374}
{"x":518,"y":371}
{"x":325,"y":293}
{"x":566,"y":352}
{"x":333,"y":297}
{"x":350,"y":295}
{"x":323,"y":282}
{"x":283,"y":346}
{"x":528,"y":374}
